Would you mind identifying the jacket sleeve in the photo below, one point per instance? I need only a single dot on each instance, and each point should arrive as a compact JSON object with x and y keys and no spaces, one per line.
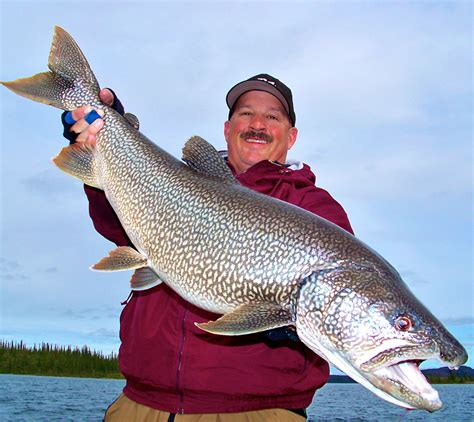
{"x":101,"y":212}
{"x":320,"y":202}
{"x":104,"y":218}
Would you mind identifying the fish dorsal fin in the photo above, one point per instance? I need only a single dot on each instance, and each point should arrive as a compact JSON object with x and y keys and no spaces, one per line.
{"x":248,"y":319}
{"x":204,"y":158}
{"x":66,"y":58}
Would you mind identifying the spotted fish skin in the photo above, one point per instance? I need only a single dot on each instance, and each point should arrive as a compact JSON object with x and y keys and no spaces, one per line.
{"x":260,"y":262}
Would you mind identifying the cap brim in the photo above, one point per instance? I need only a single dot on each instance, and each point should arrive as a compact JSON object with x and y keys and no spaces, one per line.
{"x":247,"y":86}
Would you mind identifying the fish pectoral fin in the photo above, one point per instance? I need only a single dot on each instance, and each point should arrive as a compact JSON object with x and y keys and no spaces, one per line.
{"x":120,"y":259}
{"x":248,"y":319}
{"x":204,"y":158}
{"x":78,"y":161}
{"x":144,"y":278}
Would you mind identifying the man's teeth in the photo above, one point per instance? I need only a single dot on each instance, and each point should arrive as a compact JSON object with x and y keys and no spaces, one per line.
{"x":258,"y":141}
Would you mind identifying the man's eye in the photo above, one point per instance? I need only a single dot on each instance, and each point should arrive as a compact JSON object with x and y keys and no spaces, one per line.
{"x":272,"y":117}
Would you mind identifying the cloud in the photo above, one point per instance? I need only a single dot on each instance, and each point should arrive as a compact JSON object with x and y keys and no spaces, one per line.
{"x":360,"y":79}
{"x":467,"y":320}
{"x":11,"y":270}
{"x":49,"y":183}
{"x":78,"y":313}
{"x":14,"y":277}
{"x":73,"y":314}
{"x":6,"y":264}
{"x":412,"y":277}
{"x":105,"y":332}
{"x":389,"y":111}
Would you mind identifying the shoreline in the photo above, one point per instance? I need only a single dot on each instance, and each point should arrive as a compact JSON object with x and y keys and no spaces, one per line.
{"x":342,"y":379}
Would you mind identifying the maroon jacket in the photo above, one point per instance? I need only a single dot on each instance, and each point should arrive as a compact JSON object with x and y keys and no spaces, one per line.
{"x":172,"y":365}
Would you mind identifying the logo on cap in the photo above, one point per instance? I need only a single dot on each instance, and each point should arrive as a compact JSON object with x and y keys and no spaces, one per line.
{"x":267,"y":81}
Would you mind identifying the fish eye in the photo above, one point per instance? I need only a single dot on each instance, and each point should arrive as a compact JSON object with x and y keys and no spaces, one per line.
{"x":403,"y":323}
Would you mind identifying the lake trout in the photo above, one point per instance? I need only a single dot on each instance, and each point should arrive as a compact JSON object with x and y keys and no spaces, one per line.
{"x":260,"y":262}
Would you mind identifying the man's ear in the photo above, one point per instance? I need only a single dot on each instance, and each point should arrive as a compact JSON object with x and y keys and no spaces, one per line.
{"x":226,"y":129}
{"x":292,"y":135}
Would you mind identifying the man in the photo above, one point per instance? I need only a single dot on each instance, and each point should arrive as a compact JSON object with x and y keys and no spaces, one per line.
{"x":175,"y":371}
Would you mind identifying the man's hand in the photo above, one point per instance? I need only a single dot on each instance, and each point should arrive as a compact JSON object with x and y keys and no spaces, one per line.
{"x":88,"y":132}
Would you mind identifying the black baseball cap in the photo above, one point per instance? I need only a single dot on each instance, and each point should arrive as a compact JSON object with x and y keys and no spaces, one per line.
{"x":267,"y":83}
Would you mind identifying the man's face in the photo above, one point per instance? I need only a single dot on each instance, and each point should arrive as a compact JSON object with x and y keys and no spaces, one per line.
{"x":259,"y":129}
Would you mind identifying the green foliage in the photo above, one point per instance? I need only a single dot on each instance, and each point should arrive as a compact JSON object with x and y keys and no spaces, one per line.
{"x":450,"y":379}
{"x":53,"y":360}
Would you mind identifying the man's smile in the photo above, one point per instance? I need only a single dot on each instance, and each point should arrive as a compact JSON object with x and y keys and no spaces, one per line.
{"x":256,"y":141}
{"x":256,"y":138}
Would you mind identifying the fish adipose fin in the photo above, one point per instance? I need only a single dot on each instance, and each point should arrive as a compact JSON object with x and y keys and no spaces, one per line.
{"x":127,"y":258}
{"x":204,"y":158}
{"x":70,"y":83}
{"x":248,"y":319}
{"x":78,"y":161}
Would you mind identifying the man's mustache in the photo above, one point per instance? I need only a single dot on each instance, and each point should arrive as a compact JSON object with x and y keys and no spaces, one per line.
{"x":256,"y":135}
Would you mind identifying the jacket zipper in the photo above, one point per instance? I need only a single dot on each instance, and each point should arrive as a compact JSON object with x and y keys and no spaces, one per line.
{"x":180,"y":361}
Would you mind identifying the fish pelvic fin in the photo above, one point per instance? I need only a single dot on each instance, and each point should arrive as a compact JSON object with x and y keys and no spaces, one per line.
{"x":127,"y":258}
{"x":78,"y":160}
{"x":144,"y":279}
{"x":120,"y":259}
{"x":248,"y":319}
{"x":204,"y":158}
{"x":70,"y":82}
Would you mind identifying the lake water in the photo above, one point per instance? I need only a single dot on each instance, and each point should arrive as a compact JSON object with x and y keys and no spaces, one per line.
{"x":32,"y":398}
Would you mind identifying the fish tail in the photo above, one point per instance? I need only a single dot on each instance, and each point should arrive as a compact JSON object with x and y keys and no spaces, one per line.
{"x":69,"y":84}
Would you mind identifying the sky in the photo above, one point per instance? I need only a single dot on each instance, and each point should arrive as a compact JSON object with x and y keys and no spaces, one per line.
{"x":383,"y":98}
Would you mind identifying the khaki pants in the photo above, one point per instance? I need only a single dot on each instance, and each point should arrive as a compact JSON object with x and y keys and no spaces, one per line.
{"x":126,"y":410}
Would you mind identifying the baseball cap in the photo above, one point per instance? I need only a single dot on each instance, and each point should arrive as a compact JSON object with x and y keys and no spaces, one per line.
{"x":267,"y":83}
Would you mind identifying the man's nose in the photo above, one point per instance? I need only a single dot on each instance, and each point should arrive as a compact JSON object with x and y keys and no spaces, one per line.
{"x":258,"y":123}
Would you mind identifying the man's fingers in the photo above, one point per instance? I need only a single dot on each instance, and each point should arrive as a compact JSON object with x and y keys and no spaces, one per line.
{"x":80,"y":112}
{"x":89,"y":134}
{"x":106,"y":96}
{"x":83,"y":122}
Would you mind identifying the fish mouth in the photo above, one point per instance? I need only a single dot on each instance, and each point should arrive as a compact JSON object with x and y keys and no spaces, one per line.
{"x":397,"y":380}
{"x":396,"y":370}
{"x":387,"y":380}
{"x":405,"y":381}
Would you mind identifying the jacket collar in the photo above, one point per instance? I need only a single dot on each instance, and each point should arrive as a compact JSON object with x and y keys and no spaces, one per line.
{"x":290,"y":164}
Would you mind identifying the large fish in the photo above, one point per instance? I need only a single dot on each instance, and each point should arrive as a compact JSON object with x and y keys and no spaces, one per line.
{"x":259,"y":261}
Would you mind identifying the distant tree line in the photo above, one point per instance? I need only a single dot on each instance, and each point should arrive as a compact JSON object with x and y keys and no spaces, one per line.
{"x":452,"y":378}
{"x":465,"y":375}
{"x":53,"y":360}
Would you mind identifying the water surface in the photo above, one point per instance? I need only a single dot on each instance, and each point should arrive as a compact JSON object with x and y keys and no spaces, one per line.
{"x":32,"y":398}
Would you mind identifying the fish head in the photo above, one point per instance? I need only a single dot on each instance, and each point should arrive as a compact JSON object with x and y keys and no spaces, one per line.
{"x":366,"y":322}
